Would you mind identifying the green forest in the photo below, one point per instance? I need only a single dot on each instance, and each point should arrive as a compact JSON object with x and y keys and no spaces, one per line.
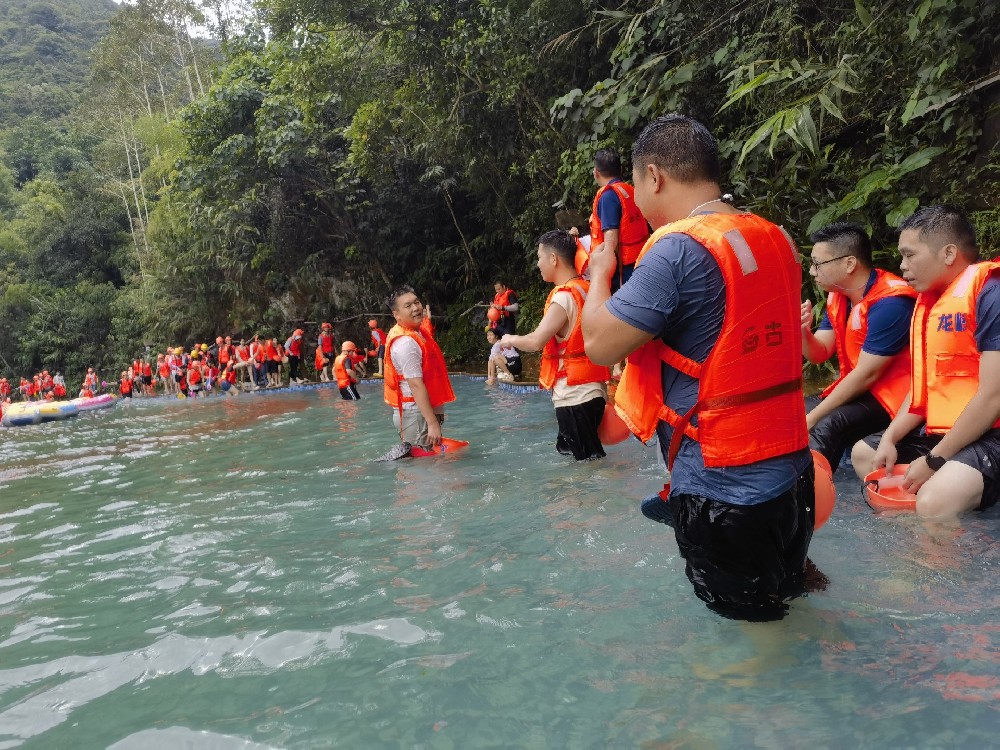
{"x":171,"y":170}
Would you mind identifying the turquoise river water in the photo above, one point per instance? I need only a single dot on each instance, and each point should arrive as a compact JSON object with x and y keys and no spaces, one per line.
{"x":237,"y":573}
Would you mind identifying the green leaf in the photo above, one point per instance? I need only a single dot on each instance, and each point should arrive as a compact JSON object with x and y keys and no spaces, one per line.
{"x":863,"y":14}
{"x":829,"y":106}
{"x":901,"y":210}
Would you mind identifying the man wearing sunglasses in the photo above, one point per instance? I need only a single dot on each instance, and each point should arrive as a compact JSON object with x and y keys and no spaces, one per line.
{"x":866,"y":323}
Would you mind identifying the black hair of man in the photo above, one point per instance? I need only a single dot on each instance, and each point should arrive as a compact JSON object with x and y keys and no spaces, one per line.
{"x":948,"y":224}
{"x":501,"y":282}
{"x":608,"y":163}
{"x":398,"y":292}
{"x":680,"y":146}
{"x":561,"y":242}
{"x":848,"y":238}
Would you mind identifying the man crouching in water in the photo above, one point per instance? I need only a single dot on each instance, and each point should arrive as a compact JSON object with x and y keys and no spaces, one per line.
{"x":416,"y":377}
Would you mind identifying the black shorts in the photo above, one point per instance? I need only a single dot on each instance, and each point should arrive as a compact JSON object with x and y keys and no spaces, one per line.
{"x":983,"y":455}
{"x":578,"y":430}
{"x":744,"y":561}
{"x":147,"y":379}
{"x":514,"y":365}
{"x":847,"y":424}
{"x":350,"y":393}
{"x":127,"y":394}
{"x":381,"y":352}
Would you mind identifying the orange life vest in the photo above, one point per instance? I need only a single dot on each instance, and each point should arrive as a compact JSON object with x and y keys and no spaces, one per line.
{"x":194,"y":376}
{"x":225,"y":353}
{"x":435,"y":371}
{"x":750,"y":405}
{"x":320,"y":359}
{"x":502,"y":300}
{"x":126,"y":386}
{"x":945,"y":355}
{"x":340,"y":371}
{"x":894,"y":383}
{"x":633,"y":231}
{"x":568,"y":359}
{"x":294,"y":347}
{"x":326,"y":343}
{"x":378,"y":338}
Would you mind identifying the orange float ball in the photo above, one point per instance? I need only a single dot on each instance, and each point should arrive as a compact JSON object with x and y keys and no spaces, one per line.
{"x":612,"y":429}
{"x":826,"y":493}
{"x":493,"y":315}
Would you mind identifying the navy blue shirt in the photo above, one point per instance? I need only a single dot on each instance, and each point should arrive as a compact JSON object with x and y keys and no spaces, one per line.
{"x":609,"y":208}
{"x":988,"y":316}
{"x":888,"y":323}
{"x":677,"y":294}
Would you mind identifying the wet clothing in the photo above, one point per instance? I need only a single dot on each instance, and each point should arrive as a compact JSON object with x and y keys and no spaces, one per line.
{"x":578,"y":429}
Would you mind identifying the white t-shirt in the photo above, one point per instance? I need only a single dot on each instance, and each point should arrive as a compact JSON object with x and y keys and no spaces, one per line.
{"x":408,"y":359}
{"x":508,"y":352}
{"x":573,"y":395}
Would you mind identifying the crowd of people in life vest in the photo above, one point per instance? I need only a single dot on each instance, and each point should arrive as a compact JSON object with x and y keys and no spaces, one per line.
{"x":223,"y":367}
{"x":703,"y":302}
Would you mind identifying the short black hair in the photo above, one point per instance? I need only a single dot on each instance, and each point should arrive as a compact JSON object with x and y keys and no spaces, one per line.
{"x":949,"y":224}
{"x":501,"y":282}
{"x":398,"y":292}
{"x":680,"y":146}
{"x":850,"y":239}
{"x":561,"y":242}
{"x":608,"y":162}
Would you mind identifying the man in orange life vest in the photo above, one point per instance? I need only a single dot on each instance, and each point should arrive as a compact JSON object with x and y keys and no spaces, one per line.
{"x":416,"y":380}
{"x":505,"y":300}
{"x":615,"y":220}
{"x":867,"y":325}
{"x":948,"y":429}
{"x":343,"y":371}
{"x":578,"y":386}
{"x":710,"y":323}
{"x":378,"y":341}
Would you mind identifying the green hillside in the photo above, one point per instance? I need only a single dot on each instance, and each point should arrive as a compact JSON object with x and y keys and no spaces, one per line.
{"x":45,"y":54}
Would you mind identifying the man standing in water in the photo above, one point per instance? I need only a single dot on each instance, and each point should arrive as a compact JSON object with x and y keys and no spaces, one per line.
{"x":948,"y":430}
{"x":578,"y":386}
{"x":710,"y":323}
{"x":416,"y":378}
{"x":615,"y":220}
{"x":867,"y":325}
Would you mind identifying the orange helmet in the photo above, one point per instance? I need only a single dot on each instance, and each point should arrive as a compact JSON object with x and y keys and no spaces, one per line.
{"x":348,"y":346}
{"x":327,"y":325}
{"x":373,"y":323}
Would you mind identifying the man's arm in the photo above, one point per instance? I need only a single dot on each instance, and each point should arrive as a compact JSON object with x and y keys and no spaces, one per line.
{"x":551,"y":323}
{"x":611,"y":237}
{"x":857,"y":382}
{"x":817,"y":347}
{"x":606,"y":339}
{"x":423,"y":401}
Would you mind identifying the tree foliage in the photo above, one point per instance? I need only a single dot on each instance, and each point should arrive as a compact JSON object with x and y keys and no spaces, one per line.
{"x":318,"y":152}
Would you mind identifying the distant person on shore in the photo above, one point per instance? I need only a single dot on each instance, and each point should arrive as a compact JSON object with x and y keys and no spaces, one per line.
{"x":321,"y":363}
{"x":505,"y":302}
{"x":578,"y":385}
{"x":327,"y":345}
{"x":293,"y":349}
{"x":344,"y":372}
{"x":378,"y":345}
{"x":504,"y":363}
{"x":866,"y":323}
{"x":416,"y":380}
{"x":948,"y":430}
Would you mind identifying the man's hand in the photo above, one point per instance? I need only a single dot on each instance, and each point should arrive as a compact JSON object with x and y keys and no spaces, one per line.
{"x":807,"y":316}
{"x":603,"y":262}
{"x":885,"y":455}
{"x":505,"y":341}
{"x":918,"y":473}
{"x":434,"y":433}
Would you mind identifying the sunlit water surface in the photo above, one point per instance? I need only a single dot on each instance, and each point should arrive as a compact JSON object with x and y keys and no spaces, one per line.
{"x":237,"y":573}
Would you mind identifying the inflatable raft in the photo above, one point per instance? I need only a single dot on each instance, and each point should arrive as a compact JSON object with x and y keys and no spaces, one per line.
{"x":36,"y":412}
{"x":104,"y":401}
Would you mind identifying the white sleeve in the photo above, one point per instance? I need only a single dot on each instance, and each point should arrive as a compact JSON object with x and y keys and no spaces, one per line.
{"x":407,"y":357}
